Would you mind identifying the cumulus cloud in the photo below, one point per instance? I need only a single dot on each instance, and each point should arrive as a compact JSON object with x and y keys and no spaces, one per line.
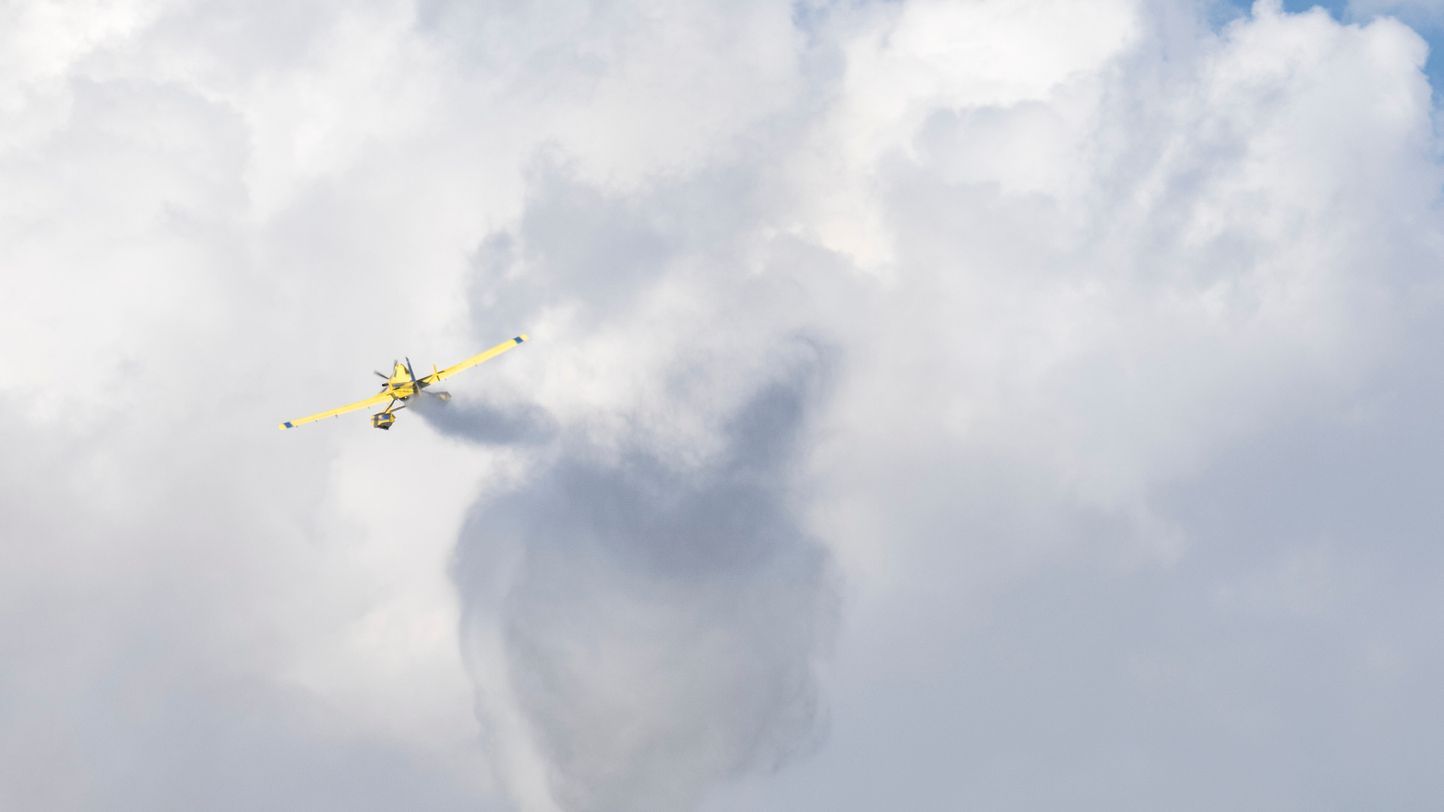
{"x":1085,"y":348}
{"x":1061,"y":298}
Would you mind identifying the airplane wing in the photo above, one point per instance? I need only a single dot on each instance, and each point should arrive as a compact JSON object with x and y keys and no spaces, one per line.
{"x":374,"y":400}
{"x":479,"y":358}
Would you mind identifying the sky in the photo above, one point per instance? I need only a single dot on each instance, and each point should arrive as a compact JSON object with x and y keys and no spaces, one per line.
{"x":936,"y":404}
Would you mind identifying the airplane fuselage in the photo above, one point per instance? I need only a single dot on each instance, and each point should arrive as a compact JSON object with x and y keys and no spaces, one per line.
{"x":402,"y":391}
{"x":402,"y":385}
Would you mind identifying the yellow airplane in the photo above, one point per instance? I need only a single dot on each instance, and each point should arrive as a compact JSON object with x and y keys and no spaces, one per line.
{"x":403,"y":384}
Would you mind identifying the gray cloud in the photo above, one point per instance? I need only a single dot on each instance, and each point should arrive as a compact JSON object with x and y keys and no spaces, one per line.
{"x":663,"y":623}
{"x":485,"y":423}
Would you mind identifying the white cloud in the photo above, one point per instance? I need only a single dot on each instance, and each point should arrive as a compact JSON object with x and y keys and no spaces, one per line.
{"x":1078,"y":273}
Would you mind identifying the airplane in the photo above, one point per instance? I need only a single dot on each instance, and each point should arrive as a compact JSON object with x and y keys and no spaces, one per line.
{"x":402,"y":385}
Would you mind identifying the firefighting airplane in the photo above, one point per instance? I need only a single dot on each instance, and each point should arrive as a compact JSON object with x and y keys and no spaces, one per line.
{"x":403,"y":384}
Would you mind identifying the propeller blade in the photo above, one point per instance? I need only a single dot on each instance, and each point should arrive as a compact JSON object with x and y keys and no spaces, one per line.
{"x":383,"y":376}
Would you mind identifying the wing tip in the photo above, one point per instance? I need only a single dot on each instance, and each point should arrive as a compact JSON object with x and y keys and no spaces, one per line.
{"x":519,"y":339}
{"x":287,"y":425}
